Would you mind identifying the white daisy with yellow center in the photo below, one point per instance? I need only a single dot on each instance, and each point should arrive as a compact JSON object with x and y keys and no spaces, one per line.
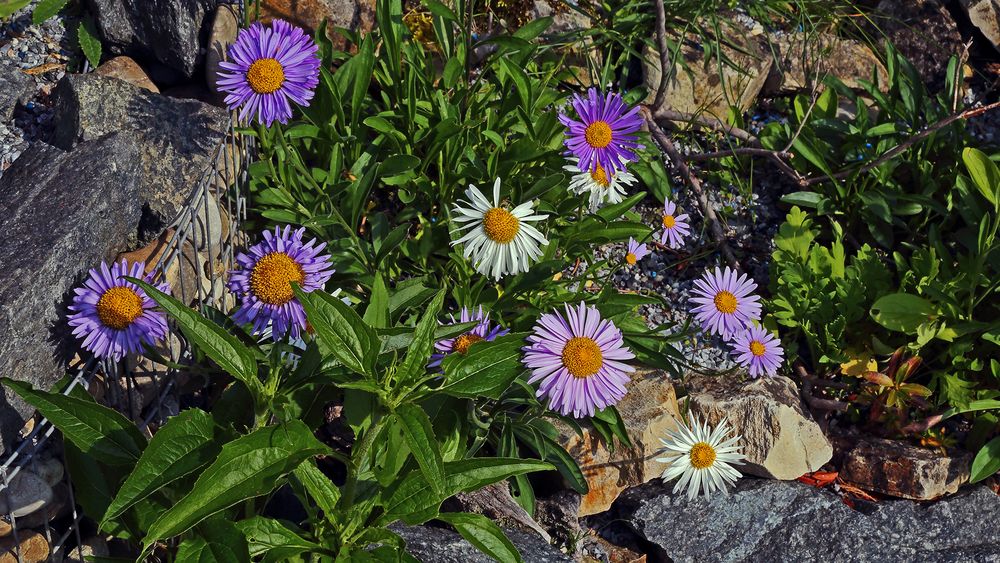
{"x":603,"y":186}
{"x":499,"y":241}
{"x":703,"y":458}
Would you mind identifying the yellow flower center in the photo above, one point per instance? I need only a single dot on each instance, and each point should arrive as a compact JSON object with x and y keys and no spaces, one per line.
{"x":600,"y":176}
{"x":669,"y":221}
{"x":702,"y":455}
{"x":598,"y":134}
{"x":500,"y":225}
{"x":757,"y":348}
{"x":582,"y":356}
{"x":272,"y":276}
{"x":725,"y":302}
{"x":265,"y":76}
{"x":630,"y":258}
{"x":463,"y":342}
{"x":119,"y":307}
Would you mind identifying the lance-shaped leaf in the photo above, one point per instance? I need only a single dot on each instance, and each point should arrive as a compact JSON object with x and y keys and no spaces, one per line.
{"x":340,"y":330}
{"x":486,"y":370}
{"x":481,"y":532}
{"x":419,"y":436}
{"x":275,"y":540}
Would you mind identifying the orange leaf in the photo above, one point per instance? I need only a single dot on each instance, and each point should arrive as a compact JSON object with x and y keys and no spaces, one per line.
{"x":818,"y":478}
{"x":855,"y":492}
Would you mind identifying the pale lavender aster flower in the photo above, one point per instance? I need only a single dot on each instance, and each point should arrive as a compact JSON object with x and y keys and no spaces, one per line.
{"x":725,"y":302}
{"x":114,"y":316}
{"x":635,"y":252}
{"x":270,"y":67}
{"x":759,"y":350}
{"x":579,"y":361}
{"x":482,"y":331}
{"x":605,"y":134}
{"x":264,"y":281}
{"x":675,"y":227}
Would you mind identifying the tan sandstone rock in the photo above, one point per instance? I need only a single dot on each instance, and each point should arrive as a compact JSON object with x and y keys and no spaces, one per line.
{"x":309,"y":14}
{"x":124,"y":68}
{"x":903,"y":470}
{"x":780,"y":439}
{"x":805,"y":60}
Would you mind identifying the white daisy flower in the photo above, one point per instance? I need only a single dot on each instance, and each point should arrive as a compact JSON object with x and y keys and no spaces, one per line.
{"x":701,"y":457}
{"x":500,"y":241}
{"x":604,"y":187}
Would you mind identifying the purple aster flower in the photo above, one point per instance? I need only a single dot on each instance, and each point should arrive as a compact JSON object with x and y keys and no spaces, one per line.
{"x":269,"y":67}
{"x":578,"y":359}
{"x":635,"y":252}
{"x":675,"y":227}
{"x":606,"y":132}
{"x":264,"y":281}
{"x":725,"y":304}
{"x":482,"y":331}
{"x":759,"y":350}
{"x":113,"y":316}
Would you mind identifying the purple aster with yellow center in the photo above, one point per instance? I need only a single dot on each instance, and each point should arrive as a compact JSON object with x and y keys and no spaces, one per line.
{"x":759,"y":351}
{"x":264,"y":281}
{"x":484,"y":331}
{"x":635,"y":252}
{"x":268,"y":69}
{"x":675,"y":227}
{"x":726,"y":303}
{"x":112,"y":315}
{"x":579,"y":360}
{"x":605,"y":134}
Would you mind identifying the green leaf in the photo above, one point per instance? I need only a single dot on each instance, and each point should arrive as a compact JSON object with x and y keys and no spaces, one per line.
{"x":274,"y":539}
{"x":216,"y":342}
{"x":86,"y":36}
{"x":805,"y":199}
{"x":339,"y":329}
{"x":377,"y":312}
{"x":984,"y":174}
{"x":8,"y":7}
{"x":46,"y":9}
{"x":181,"y":446}
{"x":481,"y":532}
{"x":96,"y":430}
{"x":320,"y":488}
{"x":418,"y":353}
{"x":420,"y":438}
{"x":486,"y":370}
{"x":903,"y":312}
{"x":197,"y":550}
{"x":398,"y":163}
{"x":987,"y":461}
{"x":248,"y":467}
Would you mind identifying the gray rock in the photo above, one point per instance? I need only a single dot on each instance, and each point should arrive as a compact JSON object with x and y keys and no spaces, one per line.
{"x":168,"y":31}
{"x":177,"y":138}
{"x":923,"y":31}
{"x":25,"y":494}
{"x":438,"y":545}
{"x":64,"y":212}
{"x":763,"y":520}
{"x":15,"y":88}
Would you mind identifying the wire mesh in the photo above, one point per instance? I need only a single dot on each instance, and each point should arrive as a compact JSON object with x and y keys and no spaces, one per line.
{"x":194,"y":254}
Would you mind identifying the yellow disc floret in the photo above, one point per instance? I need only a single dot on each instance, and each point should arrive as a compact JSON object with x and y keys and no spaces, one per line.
{"x":265,"y":76}
{"x":272,"y":276}
{"x":500,"y":225}
{"x":600,"y":176}
{"x":669,"y":221}
{"x":582,"y":356}
{"x":725,"y":302}
{"x":598,"y":134}
{"x":119,"y":307}
{"x":702,"y":455}
{"x":631,"y":259}
{"x":757,"y":348}
{"x":463,"y":342}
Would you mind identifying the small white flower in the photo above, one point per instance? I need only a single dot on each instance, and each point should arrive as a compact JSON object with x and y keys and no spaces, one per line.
{"x":604,"y":188}
{"x":500,"y":241}
{"x":701,"y":457}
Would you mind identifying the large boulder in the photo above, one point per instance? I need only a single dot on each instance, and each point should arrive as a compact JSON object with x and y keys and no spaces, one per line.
{"x":64,"y":212}
{"x":178,"y":139}
{"x":903,"y":470}
{"x":170,"y":32}
{"x":985,"y":15}
{"x":806,"y":59}
{"x":15,"y":88}
{"x":780,"y":439}
{"x":439,"y":545}
{"x":649,"y":410}
{"x":764,"y":520}
{"x":923,"y":31}
{"x":309,"y":14}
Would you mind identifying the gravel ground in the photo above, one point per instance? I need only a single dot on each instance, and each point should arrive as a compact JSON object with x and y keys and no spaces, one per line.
{"x":42,"y":51}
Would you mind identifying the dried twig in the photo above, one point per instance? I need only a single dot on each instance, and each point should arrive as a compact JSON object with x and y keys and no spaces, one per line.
{"x":661,"y":45}
{"x":813,"y":401}
{"x":708,"y":212}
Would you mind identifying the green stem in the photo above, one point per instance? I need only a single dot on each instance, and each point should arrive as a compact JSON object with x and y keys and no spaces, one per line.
{"x":358,"y":455}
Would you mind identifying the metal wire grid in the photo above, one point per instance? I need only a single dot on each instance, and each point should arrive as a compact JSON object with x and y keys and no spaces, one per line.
{"x":217,"y":203}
